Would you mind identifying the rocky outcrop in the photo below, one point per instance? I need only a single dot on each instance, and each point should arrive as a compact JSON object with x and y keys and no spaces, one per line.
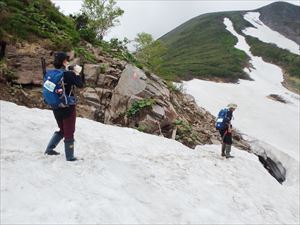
{"x":25,"y":61}
{"x":134,"y":86}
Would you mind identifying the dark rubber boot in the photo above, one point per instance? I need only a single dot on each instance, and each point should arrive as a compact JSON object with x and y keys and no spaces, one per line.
{"x":223,"y":149}
{"x":227,"y":151}
{"x":69,"y":150}
{"x":56,"y":138}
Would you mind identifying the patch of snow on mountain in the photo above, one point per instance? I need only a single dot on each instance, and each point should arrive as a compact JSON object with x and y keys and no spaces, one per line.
{"x":265,"y":34}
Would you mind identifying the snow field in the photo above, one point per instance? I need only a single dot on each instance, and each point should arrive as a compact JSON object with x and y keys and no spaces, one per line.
{"x":130,"y":177}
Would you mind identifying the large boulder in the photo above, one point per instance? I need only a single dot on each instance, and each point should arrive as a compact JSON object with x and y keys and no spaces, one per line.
{"x":91,"y":72}
{"x":134,"y":86}
{"x":91,"y":94}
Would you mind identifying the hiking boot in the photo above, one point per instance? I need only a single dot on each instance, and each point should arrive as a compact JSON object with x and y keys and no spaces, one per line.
{"x":52,"y":152}
{"x":69,"y":150}
{"x":227,"y":151}
{"x":55,"y":139}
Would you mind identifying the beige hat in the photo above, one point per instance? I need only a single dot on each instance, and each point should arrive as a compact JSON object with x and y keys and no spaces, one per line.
{"x":232,"y":105}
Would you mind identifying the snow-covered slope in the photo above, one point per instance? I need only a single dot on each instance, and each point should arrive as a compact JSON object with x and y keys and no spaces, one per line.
{"x":130,"y":177}
{"x":273,"y":125}
{"x":265,"y":34}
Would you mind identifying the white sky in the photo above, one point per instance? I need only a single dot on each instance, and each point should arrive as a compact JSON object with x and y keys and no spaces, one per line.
{"x":160,"y":17}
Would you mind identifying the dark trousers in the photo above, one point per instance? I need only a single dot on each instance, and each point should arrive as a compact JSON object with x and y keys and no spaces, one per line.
{"x":226,"y":137}
{"x":67,"y":124}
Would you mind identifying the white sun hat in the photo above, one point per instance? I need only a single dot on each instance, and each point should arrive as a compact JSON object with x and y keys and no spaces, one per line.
{"x":232,"y":105}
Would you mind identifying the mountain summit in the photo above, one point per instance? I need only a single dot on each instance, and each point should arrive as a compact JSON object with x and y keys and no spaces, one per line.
{"x":284,"y":18}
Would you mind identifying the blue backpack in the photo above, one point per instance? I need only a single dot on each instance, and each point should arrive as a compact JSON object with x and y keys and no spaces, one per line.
{"x":54,"y":90}
{"x":221,"y":122}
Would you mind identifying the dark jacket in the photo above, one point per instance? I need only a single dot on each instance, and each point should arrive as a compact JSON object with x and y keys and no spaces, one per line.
{"x":70,"y":80}
{"x":228,"y":117}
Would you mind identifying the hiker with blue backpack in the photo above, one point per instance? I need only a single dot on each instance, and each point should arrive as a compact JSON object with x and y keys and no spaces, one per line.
{"x":223,"y":125}
{"x":58,"y":93}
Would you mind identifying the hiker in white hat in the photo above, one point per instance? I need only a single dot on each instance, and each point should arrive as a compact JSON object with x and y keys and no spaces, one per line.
{"x":223,"y":124}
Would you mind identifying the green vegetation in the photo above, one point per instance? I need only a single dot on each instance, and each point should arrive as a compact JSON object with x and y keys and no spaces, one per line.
{"x":85,"y":32}
{"x":35,"y":19}
{"x":85,"y":54}
{"x":118,"y":48}
{"x":202,"y":48}
{"x":5,"y":72}
{"x":141,"y":128}
{"x":271,"y":53}
{"x":103,"y":68}
{"x":183,"y":126}
{"x":102,"y":15}
{"x":173,"y":88}
{"x":185,"y":133}
{"x":138,"y":105}
{"x":238,"y":21}
{"x":149,"y":52}
{"x":40,"y":21}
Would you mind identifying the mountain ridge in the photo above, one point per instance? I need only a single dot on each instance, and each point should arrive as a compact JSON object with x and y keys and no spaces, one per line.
{"x":210,"y":52}
{"x":282,"y":17}
{"x":208,"y":47}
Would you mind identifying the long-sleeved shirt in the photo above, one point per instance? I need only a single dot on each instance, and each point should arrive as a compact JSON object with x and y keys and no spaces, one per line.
{"x":70,"y":80}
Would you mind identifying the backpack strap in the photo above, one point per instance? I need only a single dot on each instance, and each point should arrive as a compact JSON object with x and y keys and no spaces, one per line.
{"x":63,"y":84}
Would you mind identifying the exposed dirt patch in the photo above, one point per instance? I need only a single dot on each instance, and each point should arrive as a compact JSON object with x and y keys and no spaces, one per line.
{"x":291,"y":83}
{"x":277,"y":98}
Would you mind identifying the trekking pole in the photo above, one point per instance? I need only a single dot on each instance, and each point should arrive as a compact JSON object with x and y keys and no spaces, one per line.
{"x":82,"y":74}
{"x":2,"y":49}
{"x":43,"y":61}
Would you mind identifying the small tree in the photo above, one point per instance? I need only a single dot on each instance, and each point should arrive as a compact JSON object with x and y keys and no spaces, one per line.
{"x":149,"y":52}
{"x":86,"y":32}
{"x":102,"y":14}
{"x":143,"y":40}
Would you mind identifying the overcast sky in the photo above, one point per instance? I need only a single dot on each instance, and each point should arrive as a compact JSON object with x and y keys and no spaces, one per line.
{"x":159,"y":17}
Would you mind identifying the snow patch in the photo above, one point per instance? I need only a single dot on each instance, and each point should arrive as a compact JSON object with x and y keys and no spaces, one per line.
{"x":130,"y":177}
{"x":265,"y":34}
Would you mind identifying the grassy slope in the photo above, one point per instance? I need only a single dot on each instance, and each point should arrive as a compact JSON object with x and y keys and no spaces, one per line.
{"x":40,"y":21}
{"x":203,"y":48}
{"x":288,"y":61}
{"x":34,"y":20}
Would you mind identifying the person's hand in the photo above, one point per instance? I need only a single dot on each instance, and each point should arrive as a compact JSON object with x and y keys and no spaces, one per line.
{"x":229,"y":128}
{"x":77,"y":70}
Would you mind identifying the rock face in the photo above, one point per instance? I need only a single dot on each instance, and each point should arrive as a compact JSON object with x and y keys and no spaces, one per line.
{"x":25,"y":61}
{"x":116,"y":93}
{"x":135,"y":86}
{"x":92,"y":72}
